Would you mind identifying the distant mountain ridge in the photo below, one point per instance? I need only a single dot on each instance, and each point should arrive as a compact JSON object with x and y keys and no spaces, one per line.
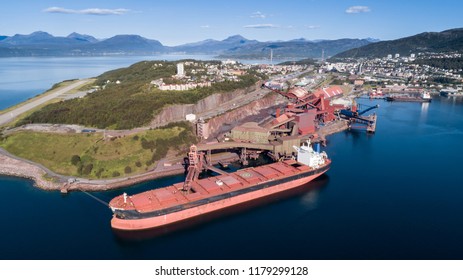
{"x":215,"y":46}
{"x":445,"y":41}
{"x":294,"y":48}
{"x":82,"y":37}
{"x":125,"y":44}
{"x":39,"y":38}
{"x":44,"y":44}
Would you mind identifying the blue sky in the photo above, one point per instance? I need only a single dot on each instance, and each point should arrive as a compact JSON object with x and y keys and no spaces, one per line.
{"x":175,"y":22}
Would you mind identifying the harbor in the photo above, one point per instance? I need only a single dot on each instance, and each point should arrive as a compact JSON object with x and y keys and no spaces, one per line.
{"x":209,"y":139}
{"x":350,"y":199}
{"x":264,"y":123}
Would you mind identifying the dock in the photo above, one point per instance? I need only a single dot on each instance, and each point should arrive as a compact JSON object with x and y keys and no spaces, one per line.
{"x":371,"y":128}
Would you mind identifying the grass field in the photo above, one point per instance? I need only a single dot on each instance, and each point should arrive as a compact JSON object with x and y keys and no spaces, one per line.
{"x":98,"y":158}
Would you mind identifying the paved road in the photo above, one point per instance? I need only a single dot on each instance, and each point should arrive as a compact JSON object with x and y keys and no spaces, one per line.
{"x":9,"y":116}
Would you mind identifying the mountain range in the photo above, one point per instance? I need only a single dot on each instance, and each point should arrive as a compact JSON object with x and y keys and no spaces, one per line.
{"x":294,"y":48}
{"x":44,"y":44}
{"x":446,"y":41}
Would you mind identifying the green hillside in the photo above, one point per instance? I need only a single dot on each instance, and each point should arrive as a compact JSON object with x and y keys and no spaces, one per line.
{"x":127,"y":99}
{"x":454,"y":63}
{"x":445,"y":41}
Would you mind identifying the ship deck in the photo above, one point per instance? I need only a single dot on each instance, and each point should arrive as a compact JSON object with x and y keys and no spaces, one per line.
{"x":161,"y":198}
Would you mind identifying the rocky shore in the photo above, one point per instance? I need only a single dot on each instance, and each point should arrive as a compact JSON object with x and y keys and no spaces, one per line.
{"x":14,"y":167}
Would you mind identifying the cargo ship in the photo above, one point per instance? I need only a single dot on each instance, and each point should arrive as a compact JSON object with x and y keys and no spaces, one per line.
{"x":451,"y":92}
{"x":195,"y":197}
{"x":423,"y":97}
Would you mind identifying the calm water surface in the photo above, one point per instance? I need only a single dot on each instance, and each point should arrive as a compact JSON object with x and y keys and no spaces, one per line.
{"x":393,"y":195}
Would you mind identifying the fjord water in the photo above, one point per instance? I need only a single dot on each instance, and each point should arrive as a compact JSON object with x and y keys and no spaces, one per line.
{"x":393,"y":195}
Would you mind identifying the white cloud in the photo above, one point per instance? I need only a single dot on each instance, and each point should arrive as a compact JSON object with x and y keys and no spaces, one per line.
{"x":312,"y":26}
{"x":261,"y":26}
{"x":92,"y":11}
{"x":357,"y":9}
{"x":258,"y":15}
{"x":205,"y":26}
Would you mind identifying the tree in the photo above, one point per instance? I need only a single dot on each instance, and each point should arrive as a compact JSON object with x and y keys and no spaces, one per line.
{"x":128,"y":169}
{"x":98,"y":173}
{"x":87,"y":169}
{"x":75,"y":159}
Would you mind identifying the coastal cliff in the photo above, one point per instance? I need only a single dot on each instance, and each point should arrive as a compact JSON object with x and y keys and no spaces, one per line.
{"x":176,"y":113}
{"x":242,"y":114}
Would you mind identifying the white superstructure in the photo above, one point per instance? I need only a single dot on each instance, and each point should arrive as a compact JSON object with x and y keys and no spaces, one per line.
{"x":426,"y":95}
{"x":306,"y":155}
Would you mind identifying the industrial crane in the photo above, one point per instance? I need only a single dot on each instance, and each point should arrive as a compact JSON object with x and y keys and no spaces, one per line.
{"x":356,"y":117}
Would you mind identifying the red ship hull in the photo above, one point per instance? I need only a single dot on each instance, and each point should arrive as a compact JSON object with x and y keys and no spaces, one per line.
{"x":145,"y":223}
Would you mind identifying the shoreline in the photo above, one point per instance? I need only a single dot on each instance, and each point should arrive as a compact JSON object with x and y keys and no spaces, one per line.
{"x":46,"y":179}
{"x":15,"y":167}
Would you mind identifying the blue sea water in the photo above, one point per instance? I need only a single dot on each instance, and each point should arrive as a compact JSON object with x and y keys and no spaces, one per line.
{"x":392,"y":195}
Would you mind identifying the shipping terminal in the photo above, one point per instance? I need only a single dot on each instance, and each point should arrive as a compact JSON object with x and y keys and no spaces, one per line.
{"x":291,"y":138}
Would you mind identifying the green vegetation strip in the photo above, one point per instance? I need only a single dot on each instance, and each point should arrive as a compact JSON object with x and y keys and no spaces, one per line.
{"x":90,"y":156}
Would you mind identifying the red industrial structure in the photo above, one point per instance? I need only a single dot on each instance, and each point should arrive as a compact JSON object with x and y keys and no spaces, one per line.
{"x":309,"y":108}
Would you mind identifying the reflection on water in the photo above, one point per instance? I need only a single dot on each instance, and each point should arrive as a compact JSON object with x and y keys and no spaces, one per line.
{"x":424,"y":111}
{"x":310,"y":200}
